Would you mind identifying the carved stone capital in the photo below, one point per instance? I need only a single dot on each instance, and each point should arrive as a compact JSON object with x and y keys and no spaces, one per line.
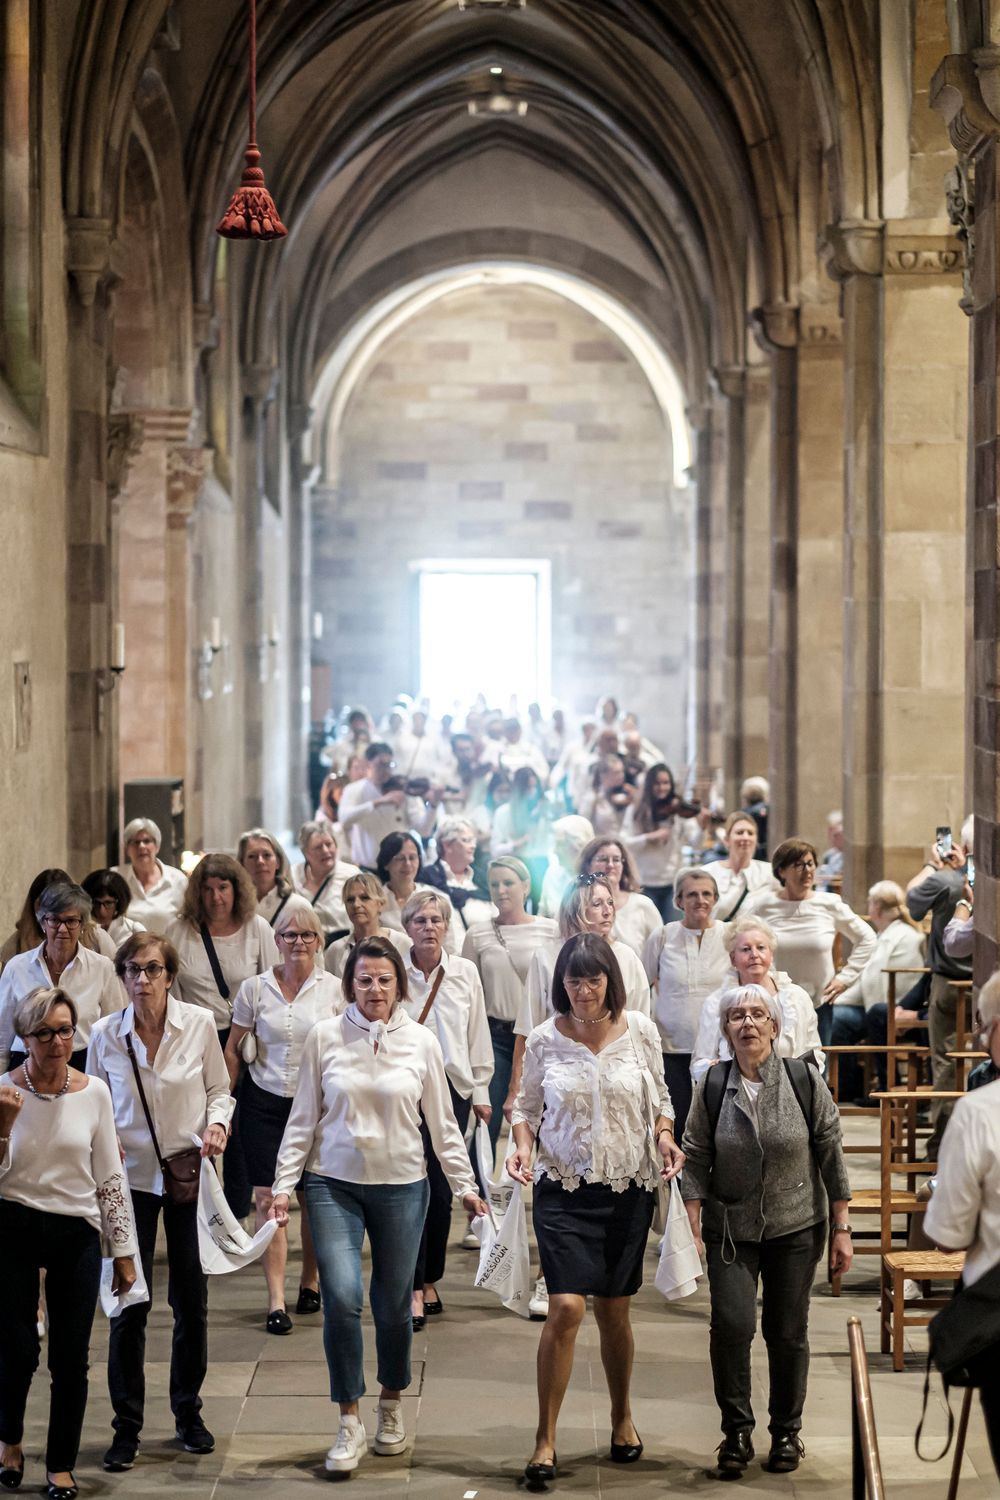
{"x":957,"y":93}
{"x":260,"y":382}
{"x":775,"y":326}
{"x":126,"y":430}
{"x":922,"y":254}
{"x":852,"y":248}
{"x":730,"y":380}
{"x":186,"y":472}
{"x":88,"y":256}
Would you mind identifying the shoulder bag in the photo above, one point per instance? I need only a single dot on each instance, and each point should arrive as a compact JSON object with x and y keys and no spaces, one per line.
{"x":181,"y":1172}
{"x":248,"y":1045}
{"x":213,"y":959}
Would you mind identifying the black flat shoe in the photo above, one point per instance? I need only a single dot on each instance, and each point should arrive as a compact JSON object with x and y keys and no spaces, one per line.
{"x":433,"y":1308}
{"x":535,"y":1475}
{"x":279,"y":1321}
{"x":60,"y":1491}
{"x":735,"y":1452}
{"x":626,"y":1453}
{"x":419,"y":1322}
{"x":11,"y":1478}
{"x":787,"y":1449}
{"x":309,"y":1301}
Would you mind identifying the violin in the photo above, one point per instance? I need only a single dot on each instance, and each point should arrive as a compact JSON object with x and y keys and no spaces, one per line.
{"x":679,"y":807}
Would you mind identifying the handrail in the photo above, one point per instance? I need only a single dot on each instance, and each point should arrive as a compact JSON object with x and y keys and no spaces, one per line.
{"x":866,"y":1467}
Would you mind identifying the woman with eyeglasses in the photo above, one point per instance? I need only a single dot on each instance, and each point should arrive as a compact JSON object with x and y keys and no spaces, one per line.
{"x":806,"y":922}
{"x":157,"y":888}
{"x":166,"y":1053}
{"x":765,"y":1180}
{"x":276,"y":1011}
{"x":367,"y":1080}
{"x":110,"y":899}
{"x":61,"y":960}
{"x":637,"y":919}
{"x":28,"y":934}
{"x":364,"y":899}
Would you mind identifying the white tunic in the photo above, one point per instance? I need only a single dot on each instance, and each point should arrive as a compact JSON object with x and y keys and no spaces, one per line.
{"x":734,"y":884}
{"x":658,"y":861}
{"x":281,"y":1026}
{"x":536,"y":1002}
{"x":683,"y":971}
{"x":368,"y":820}
{"x":806,"y":931}
{"x":159,"y":905}
{"x":251,"y":950}
{"x":458,"y":1020}
{"x":799,"y":1032}
{"x":503,"y":956}
{"x":328,"y":901}
{"x":897,"y":946}
{"x":964,"y":1211}
{"x":338,"y":953}
{"x":89,"y":979}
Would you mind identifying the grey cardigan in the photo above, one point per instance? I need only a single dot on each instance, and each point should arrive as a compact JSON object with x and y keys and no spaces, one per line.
{"x":759,"y":1186}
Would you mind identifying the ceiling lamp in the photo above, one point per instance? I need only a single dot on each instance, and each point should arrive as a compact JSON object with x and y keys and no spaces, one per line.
{"x":492,"y":4}
{"x":498,"y":103}
{"x":251,"y":214}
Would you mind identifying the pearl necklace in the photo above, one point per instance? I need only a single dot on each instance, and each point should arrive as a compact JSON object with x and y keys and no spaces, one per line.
{"x":45,"y":1098}
{"x":593,"y":1020}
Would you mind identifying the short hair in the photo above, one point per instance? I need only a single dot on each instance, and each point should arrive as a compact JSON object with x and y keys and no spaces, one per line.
{"x":450,"y":828}
{"x":303,"y":914}
{"x":309,"y":830}
{"x":630,"y":876}
{"x":571,"y":907}
{"x":102,"y":883}
{"x":283,"y":880}
{"x":695,"y":872}
{"x":510,"y":862}
{"x":63,"y":895}
{"x":31,"y":1010}
{"x":585,"y":956}
{"x":887,"y":895}
{"x":755,"y":786}
{"x":835,"y":819}
{"x":988,"y":1001}
{"x":740,"y":816}
{"x":368,"y":882}
{"x":219,"y":867}
{"x":789,"y":852}
{"x":374,"y":947}
{"x":575,"y":831}
{"x":377,"y":748}
{"x":419,"y":900}
{"x":29,"y":934}
{"x":740,"y":925}
{"x":141,"y":825}
{"x":390,"y":847}
{"x":739,"y":995}
{"x":140,"y":943}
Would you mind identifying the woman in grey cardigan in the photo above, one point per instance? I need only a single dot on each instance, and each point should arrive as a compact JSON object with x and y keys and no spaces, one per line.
{"x":765,"y":1171}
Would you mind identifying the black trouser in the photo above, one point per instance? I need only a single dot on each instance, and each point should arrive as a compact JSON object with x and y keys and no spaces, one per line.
{"x":677,"y":1072}
{"x":434,"y":1240}
{"x":70,"y":1251}
{"x":187,"y":1294}
{"x":785,"y":1267}
{"x":236,"y":1185}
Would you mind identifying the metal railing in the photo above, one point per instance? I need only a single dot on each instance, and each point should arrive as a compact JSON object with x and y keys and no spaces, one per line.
{"x":866,"y":1468}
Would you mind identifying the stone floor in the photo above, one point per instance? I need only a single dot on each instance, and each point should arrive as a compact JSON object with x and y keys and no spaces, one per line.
{"x":471,"y":1412}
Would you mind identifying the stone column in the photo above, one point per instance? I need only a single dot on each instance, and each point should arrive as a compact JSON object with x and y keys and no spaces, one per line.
{"x":259,"y":386}
{"x":186,"y":471}
{"x":709,"y":550}
{"x":304,"y":474}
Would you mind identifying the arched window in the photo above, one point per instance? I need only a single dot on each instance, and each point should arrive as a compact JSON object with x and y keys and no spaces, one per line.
{"x":20,"y":318}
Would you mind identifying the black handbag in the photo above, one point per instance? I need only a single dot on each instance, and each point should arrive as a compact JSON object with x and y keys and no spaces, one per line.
{"x":963,"y":1339}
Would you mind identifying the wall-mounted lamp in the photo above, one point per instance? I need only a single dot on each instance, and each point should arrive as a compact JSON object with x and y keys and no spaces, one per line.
{"x":215,"y":635}
{"x":109,"y":675}
{"x":273,"y":631}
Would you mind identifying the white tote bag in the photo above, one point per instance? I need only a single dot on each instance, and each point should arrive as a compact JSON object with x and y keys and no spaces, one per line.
{"x":679,"y":1265}
{"x":504,"y":1258}
{"x":223,"y":1243}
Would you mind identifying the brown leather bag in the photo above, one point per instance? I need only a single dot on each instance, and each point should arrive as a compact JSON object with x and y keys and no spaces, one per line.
{"x":182,"y":1171}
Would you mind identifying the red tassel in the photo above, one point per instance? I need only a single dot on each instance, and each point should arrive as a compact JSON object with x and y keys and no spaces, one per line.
{"x":251,"y":214}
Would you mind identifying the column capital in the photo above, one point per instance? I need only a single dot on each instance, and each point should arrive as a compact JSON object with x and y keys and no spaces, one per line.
{"x":126,"y":431}
{"x":260,"y":381}
{"x":187,"y":469}
{"x":852,"y":248}
{"x":907,"y":254}
{"x":88,"y":257}
{"x":965,"y":91}
{"x":775,"y":326}
{"x":730,"y":380}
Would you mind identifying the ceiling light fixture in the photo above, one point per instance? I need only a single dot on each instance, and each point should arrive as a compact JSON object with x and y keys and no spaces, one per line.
{"x":498,"y":103}
{"x":492,"y":4}
{"x":497,"y":72}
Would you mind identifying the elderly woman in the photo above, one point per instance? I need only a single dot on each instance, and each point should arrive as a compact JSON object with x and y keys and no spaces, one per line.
{"x":64,"y":1204}
{"x":740,"y":874}
{"x":110,"y":899}
{"x":444,"y":993}
{"x":320,"y":878}
{"x":157,"y":889}
{"x":591,"y":1075}
{"x":610,"y":795}
{"x":278,"y":1009}
{"x":364,"y":901}
{"x":655,"y":833}
{"x":162,"y":1061}
{"x":453,"y":872}
{"x":399,"y":867}
{"x":636,"y":917}
{"x":62,"y":961}
{"x":367,"y":1080}
{"x":751,"y":946}
{"x":684,"y":962}
{"x":28,"y":933}
{"x":570,"y":836}
{"x":502,"y":951}
{"x":807,"y":922}
{"x":266,"y":862}
{"x":765,"y":1181}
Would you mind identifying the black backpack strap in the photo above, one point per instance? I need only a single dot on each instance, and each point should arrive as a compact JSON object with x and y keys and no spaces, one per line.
{"x":716,"y":1080}
{"x":801,"y":1077}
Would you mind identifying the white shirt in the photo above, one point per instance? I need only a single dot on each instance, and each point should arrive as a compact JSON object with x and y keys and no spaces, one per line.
{"x":806,"y":930}
{"x":683,"y":971}
{"x":121,"y":929}
{"x":503,"y":955}
{"x":636,"y":922}
{"x":590,"y":1114}
{"x":658,"y":862}
{"x":897,"y":946}
{"x":357,"y":1110}
{"x":251,"y":950}
{"x":799,"y":1032}
{"x":368,"y":825}
{"x":536,"y":1003}
{"x":504,"y":840}
{"x":732,"y":884}
{"x":458,"y":1020}
{"x":281,"y":1026}
{"x":63,"y":1159}
{"x":523,"y":753}
{"x":965,"y":1207}
{"x":89,"y":979}
{"x":328,"y":901}
{"x":159,"y":905}
{"x":338,"y":953}
{"x":186,"y":1085}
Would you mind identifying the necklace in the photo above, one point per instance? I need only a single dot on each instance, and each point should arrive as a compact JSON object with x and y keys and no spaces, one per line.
{"x":593,"y":1020}
{"x":45,"y":1098}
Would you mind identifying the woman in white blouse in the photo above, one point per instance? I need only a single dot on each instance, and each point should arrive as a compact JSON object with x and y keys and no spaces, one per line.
{"x":399,"y":866}
{"x":636,"y":917}
{"x":64,"y":1204}
{"x":684,"y":962}
{"x":655,"y":834}
{"x":157,"y":889}
{"x":739,"y":874}
{"x":110,"y":899}
{"x":366,"y":1080}
{"x":807,"y":922}
{"x":610,"y":796}
{"x":594,"y":1183}
{"x":278,"y":1009}
{"x":502,"y":951}
{"x":321,"y":876}
{"x":266,"y":862}
{"x":751,"y":945}
{"x":167,"y":1052}
{"x":364,"y":901}
{"x":60,"y":960}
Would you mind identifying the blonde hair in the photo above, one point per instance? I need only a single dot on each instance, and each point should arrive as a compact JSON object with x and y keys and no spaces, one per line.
{"x":299,"y":914}
{"x":419,"y":900}
{"x":572,"y":905}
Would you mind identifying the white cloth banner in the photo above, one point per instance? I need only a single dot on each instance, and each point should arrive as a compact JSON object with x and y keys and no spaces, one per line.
{"x":504,"y":1258}
{"x":223,"y":1243}
{"x":679,"y":1265}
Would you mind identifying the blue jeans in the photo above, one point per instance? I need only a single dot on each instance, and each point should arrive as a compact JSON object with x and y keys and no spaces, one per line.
{"x":393,"y":1215}
{"x":502,"y":1037}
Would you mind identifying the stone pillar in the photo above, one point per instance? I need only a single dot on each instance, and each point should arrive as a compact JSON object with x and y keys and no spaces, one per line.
{"x":304,"y":474}
{"x":709,"y":550}
{"x":186,"y":471}
{"x":732,"y":383}
{"x":259,"y":386}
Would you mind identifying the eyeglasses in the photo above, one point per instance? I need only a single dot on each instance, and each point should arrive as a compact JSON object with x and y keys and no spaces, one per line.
{"x":151,"y":971}
{"x":737,"y":1017}
{"x":588,"y":879}
{"x":588,"y":986}
{"x":383,"y":982}
{"x":804,"y":864}
{"x":298,"y":937}
{"x":609,"y":859}
{"x":45,"y":1033}
{"x":70,"y":923}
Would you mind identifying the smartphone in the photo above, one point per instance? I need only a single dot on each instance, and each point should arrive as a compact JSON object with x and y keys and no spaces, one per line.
{"x":943,"y":841}
{"x":970,"y":871}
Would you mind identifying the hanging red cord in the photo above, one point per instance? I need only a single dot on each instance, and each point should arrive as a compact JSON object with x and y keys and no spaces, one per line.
{"x":251,"y":214}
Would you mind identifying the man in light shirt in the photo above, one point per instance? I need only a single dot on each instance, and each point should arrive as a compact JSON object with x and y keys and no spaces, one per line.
{"x":369,"y":810}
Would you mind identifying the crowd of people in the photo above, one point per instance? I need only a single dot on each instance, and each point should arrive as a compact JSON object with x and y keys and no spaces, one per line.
{"x":489,"y":922}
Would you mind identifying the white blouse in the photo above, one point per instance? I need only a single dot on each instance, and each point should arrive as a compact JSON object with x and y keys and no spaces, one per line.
{"x":806,"y":930}
{"x":249,"y":951}
{"x":636,"y":922}
{"x":123,"y":928}
{"x":186,"y":1085}
{"x":363,"y":1089}
{"x":590,"y":1114}
{"x":458,"y":1020}
{"x":89,"y":979}
{"x":536,"y":1003}
{"x":799,"y":1032}
{"x":328,"y":903}
{"x":281,"y":1026}
{"x":683,"y":971}
{"x":734,"y":884}
{"x":159,"y":905}
{"x":63,"y":1159}
{"x":339,"y":952}
{"x":659,"y":862}
{"x":897,"y":946}
{"x":503,"y":954}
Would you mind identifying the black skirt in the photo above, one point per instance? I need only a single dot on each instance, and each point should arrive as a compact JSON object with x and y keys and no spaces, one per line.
{"x":591,"y":1241}
{"x":263,"y":1117}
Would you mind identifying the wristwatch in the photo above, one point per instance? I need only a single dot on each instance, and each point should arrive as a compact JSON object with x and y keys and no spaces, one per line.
{"x":841,"y":1228}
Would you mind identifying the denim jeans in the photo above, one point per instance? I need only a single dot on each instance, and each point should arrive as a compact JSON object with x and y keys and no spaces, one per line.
{"x":849,"y":1030}
{"x":434,"y":1240}
{"x":393,"y":1215}
{"x":502,"y":1037}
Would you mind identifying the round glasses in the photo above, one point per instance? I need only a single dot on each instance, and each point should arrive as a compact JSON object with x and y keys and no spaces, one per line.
{"x":70,"y":923}
{"x":585,"y":986}
{"x":298,"y":937}
{"x":45,"y":1034}
{"x":151,"y":971}
{"x":369,"y":982}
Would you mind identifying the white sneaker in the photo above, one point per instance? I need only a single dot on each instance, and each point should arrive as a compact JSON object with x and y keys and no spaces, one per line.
{"x":350,"y":1447}
{"x":538,"y":1302}
{"x":469,"y":1240}
{"x":911,"y":1291}
{"x":390,"y":1434}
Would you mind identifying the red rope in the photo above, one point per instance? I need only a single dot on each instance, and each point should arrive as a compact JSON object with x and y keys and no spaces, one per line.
{"x":253,"y":72}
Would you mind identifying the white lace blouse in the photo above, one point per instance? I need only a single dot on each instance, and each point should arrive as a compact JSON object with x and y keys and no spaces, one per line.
{"x":590,"y":1114}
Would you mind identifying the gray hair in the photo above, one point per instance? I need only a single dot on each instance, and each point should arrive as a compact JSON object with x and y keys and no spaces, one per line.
{"x":31,"y":1010}
{"x":141,"y":825}
{"x":419,"y":900}
{"x":302,"y":914}
{"x":450,"y":828}
{"x":60,"y":897}
{"x":740,"y":925}
{"x":309,"y":831}
{"x":695,"y":872}
{"x":729,"y":999}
